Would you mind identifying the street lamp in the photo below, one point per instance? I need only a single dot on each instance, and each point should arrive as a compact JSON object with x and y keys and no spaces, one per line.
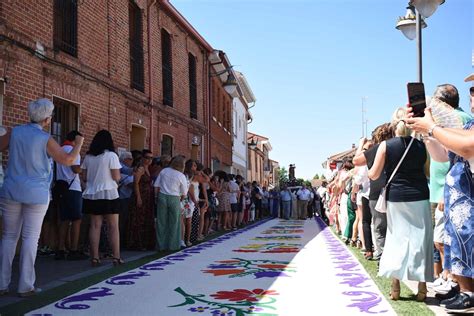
{"x":407,"y":23}
{"x":412,"y":23}
{"x":252,"y":144}
{"x":426,"y":7}
{"x":230,"y":85}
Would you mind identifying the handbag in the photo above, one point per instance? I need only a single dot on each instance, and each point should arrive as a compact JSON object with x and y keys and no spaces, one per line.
{"x":381,"y":205}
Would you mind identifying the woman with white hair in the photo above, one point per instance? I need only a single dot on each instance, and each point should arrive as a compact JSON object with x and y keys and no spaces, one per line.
{"x":25,"y":193}
{"x":408,"y":252}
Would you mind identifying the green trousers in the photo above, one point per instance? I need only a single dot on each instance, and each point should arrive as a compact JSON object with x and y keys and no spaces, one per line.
{"x":168,"y":222}
{"x":351,"y":216}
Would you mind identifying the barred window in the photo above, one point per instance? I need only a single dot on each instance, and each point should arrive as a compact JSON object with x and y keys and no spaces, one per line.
{"x":136,"y":47}
{"x":65,"y":119}
{"x":167,"y":68}
{"x":192,"y":86}
{"x":65,"y":26}
{"x":167,"y":145}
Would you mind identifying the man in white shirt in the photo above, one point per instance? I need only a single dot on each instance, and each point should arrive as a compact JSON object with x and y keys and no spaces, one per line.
{"x":304,"y":195}
{"x":69,"y":195}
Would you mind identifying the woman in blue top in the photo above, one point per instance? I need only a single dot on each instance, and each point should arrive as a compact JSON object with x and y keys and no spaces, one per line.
{"x":25,"y":193}
{"x":459,"y":203}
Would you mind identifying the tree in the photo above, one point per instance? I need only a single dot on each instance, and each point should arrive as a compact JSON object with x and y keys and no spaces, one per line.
{"x":316,"y":177}
{"x":308,"y":183}
{"x":323,"y":177}
{"x":282,"y":176}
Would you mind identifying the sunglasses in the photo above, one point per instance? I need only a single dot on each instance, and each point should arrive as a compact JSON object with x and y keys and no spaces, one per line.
{"x":471,"y":91}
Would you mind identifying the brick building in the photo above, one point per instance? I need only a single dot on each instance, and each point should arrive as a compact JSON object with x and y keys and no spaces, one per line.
{"x":258,"y":159}
{"x":221,"y":112}
{"x":136,"y":68}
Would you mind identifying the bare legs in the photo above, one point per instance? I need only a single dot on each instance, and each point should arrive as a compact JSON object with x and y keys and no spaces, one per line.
{"x":94,"y":234}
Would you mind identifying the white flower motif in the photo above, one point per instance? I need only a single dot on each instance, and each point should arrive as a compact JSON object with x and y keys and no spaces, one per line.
{"x":454,"y":195}
{"x":449,"y":180}
{"x":459,"y":214}
{"x":457,"y":268}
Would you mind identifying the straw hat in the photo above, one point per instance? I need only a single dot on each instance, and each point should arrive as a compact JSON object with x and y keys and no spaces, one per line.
{"x":469,"y":78}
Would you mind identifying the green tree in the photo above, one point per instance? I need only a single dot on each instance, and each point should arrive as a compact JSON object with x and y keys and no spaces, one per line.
{"x":323,"y":177}
{"x":308,"y":183}
{"x":282,"y":176}
{"x":316,"y":177}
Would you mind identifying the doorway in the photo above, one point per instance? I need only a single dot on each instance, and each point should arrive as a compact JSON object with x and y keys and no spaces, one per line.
{"x":137,"y":138}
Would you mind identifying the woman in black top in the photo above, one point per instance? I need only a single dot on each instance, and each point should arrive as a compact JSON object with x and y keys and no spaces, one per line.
{"x":408,"y":252}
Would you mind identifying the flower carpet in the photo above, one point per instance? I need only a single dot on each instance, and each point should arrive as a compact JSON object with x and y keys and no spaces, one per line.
{"x":273,"y":267}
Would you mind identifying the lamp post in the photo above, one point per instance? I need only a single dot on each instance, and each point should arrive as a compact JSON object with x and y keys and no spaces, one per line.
{"x":413,"y":22}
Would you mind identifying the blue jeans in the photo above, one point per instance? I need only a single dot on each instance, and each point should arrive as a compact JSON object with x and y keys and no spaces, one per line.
{"x":286,"y":209}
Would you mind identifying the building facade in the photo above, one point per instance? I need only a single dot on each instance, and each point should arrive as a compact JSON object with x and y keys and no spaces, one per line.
{"x":135,"y":68}
{"x":243,"y":98}
{"x":258,"y":159}
{"x":221,"y":113}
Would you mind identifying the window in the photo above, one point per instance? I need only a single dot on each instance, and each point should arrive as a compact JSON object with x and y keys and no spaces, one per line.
{"x":136,"y":47}
{"x":235,"y":123}
{"x":192,"y":86}
{"x":167,"y":66}
{"x":167,"y":145}
{"x":65,"y":26}
{"x":65,"y":119}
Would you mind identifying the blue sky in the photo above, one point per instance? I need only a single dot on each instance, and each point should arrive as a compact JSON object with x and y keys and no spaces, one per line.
{"x":309,"y":62}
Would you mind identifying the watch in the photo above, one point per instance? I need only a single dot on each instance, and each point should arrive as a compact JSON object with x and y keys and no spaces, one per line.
{"x":430,"y":131}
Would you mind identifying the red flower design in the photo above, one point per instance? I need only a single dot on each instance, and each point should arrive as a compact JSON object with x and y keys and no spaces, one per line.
{"x":272,"y":266}
{"x":224,"y":272}
{"x":243,"y":295}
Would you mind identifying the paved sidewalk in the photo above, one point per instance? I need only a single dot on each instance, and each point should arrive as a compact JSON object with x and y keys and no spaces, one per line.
{"x":430,"y":301}
{"x":52,"y":273}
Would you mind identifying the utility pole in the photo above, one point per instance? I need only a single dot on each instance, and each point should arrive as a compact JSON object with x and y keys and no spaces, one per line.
{"x":364,"y":120}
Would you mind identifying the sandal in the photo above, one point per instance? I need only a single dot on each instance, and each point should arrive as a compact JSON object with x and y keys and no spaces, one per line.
{"x":117,"y":261}
{"x":422,"y":290}
{"x":95,"y":262}
{"x":395,"y":290}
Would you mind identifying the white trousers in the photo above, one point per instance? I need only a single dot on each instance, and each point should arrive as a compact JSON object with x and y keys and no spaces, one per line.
{"x":24,"y":219}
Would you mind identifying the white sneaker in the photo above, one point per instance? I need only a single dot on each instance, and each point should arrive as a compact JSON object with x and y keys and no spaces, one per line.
{"x":446,"y":287}
{"x":439,"y":281}
{"x":182,"y":244}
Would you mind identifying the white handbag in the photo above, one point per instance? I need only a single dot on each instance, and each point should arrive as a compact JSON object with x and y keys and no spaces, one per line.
{"x":381,"y":205}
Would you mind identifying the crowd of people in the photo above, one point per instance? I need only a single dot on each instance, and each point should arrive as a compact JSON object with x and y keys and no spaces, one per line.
{"x":406,"y":199}
{"x":94,"y":207}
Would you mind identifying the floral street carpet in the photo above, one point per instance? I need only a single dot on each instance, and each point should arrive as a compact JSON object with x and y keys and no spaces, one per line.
{"x":274,"y":267}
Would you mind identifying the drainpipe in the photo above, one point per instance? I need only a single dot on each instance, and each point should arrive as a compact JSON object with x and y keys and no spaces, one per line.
{"x":150,"y":76}
{"x":209,"y":111}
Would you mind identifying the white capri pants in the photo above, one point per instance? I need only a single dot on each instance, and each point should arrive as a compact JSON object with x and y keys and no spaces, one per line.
{"x":26,"y":219}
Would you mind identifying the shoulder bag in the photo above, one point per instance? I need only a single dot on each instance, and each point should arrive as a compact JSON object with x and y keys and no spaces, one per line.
{"x":381,"y":205}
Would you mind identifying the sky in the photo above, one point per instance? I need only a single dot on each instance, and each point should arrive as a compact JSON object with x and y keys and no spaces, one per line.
{"x":310,"y":63}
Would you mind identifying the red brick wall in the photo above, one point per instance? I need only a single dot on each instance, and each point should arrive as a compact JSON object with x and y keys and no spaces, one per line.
{"x":221,"y":123}
{"x":105,"y":101}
